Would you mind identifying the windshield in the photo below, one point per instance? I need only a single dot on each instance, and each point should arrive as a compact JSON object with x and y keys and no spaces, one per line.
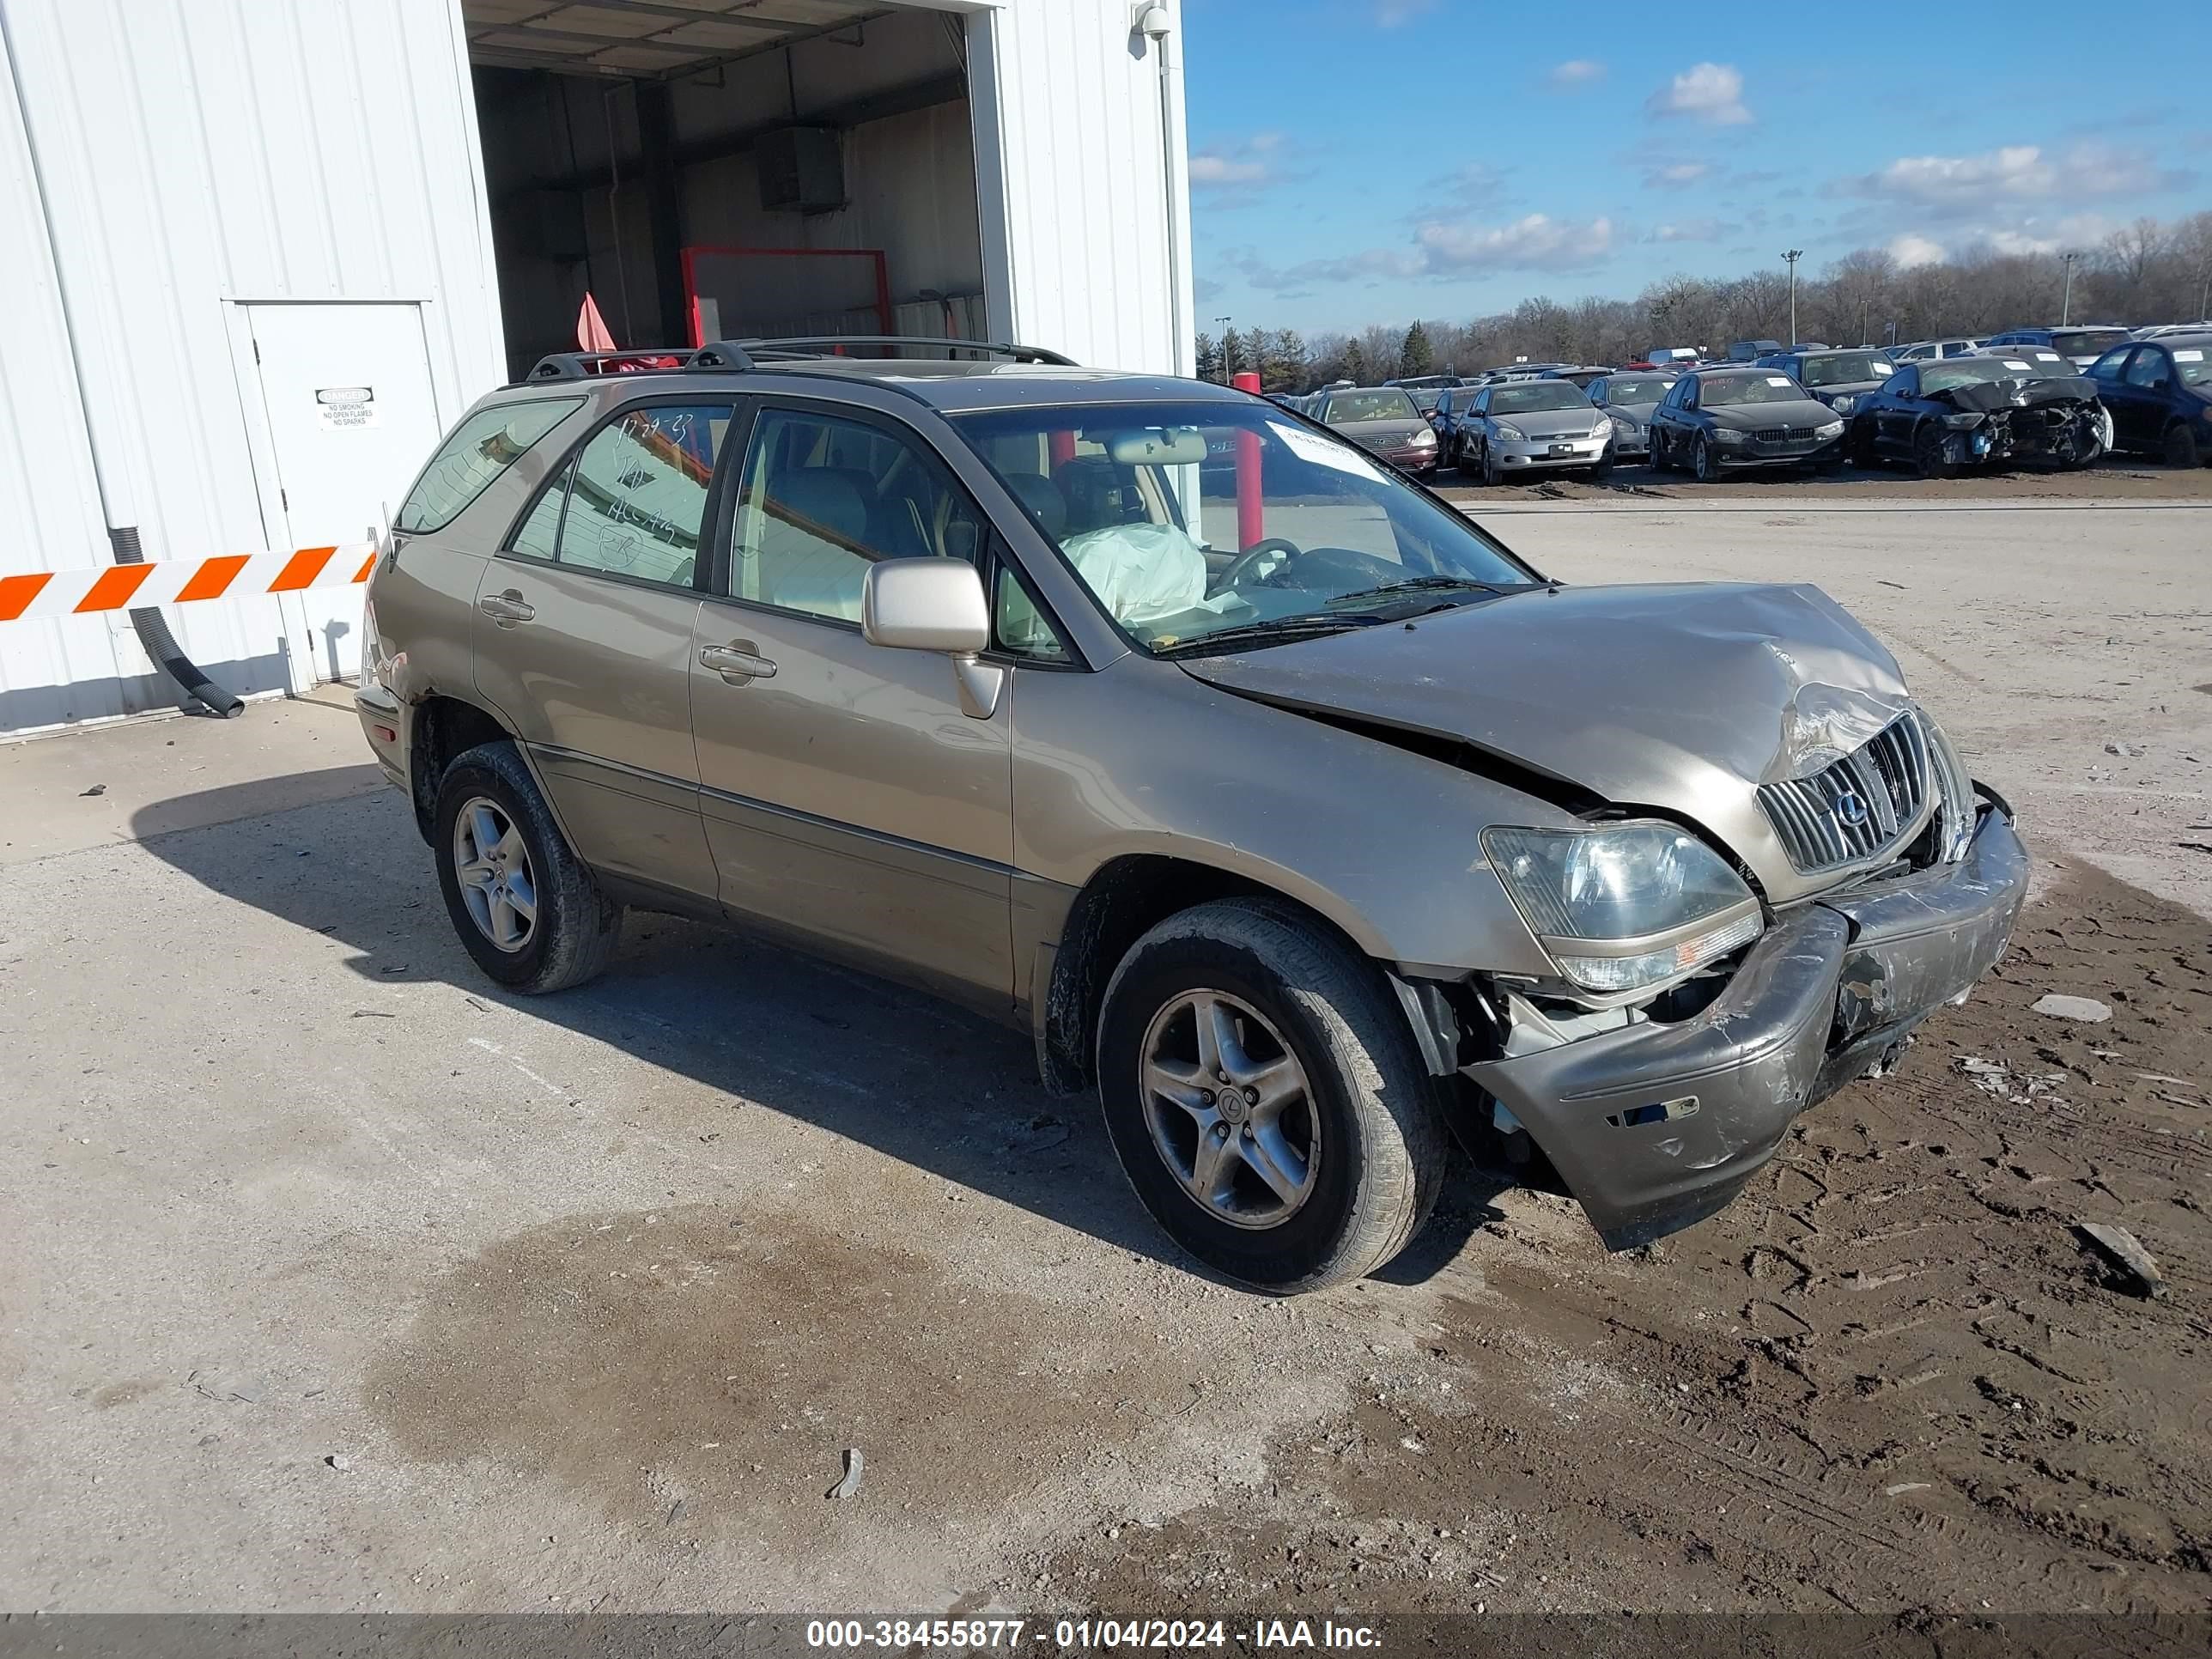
{"x":1530,"y":396}
{"x":1842,"y":368}
{"x":2086,"y":342}
{"x":1145,"y":501}
{"x":1714,"y":390}
{"x":2190,"y":362}
{"x":1636,"y":389}
{"x":1387,"y":402}
{"x":1976,"y":371}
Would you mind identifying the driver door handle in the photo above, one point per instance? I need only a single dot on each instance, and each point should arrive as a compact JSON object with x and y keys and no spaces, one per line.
{"x":739,"y":662}
{"x":507,"y":609}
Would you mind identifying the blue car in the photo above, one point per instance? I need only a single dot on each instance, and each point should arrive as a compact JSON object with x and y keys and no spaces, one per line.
{"x":2161,"y":396}
{"x":1958,"y":412}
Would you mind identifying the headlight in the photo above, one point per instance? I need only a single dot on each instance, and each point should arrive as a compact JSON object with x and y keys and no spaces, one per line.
{"x":1602,"y":428}
{"x":1511,"y":433}
{"x":1623,"y":425}
{"x":1623,"y":906}
{"x":1963,"y":420}
{"x":1424,"y":439}
{"x":1844,"y":404}
{"x":1727,"y":438}
{"x":1957,"y":812}
{"x":1829,"y":429}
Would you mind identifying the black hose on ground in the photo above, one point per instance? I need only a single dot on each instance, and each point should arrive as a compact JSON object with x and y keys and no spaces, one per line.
{"x":161,"y":645}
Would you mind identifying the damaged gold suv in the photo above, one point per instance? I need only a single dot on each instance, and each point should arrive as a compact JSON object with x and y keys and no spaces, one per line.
{"x":1279,"y":803}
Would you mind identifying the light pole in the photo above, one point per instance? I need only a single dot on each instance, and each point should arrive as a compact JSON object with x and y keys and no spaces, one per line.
{"x":1793,"y":255}
{"x":1227,"y":367}
{"x":2066,"y":295}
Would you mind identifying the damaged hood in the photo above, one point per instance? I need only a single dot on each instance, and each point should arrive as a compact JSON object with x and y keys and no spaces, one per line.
{"x":1682,"y":696}
{"x":1988,"y":397}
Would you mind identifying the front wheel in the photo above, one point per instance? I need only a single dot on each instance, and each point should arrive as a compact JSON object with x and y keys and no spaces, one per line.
{"x":527,"y":908}
{"x":1929,"y":459}
{"x":1705,"y":466}
{"x":1863,"y":453}
{"x":2180,"y":448}
{"x":1265,"y":1098}
{"x":1658,"y":462}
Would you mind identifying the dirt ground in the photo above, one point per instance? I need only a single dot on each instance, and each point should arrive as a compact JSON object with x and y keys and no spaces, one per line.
{"x":337,"y":1280}
{"x":2120,"y":479}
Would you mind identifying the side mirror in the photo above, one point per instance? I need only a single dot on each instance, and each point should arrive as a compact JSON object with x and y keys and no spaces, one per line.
{"x":935,"y":604}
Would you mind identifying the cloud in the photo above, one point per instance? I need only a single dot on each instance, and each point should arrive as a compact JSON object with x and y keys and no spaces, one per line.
{"x":1693,"y":230}
{"x":2014,"y":173}
{"x":1711,"y":93}
{"x":1909,"y":250}
{"x":1204,"y":288}
{"x":1577,"y":72}
{"x":1233,"y":175}
{"x":1472,"y":187}
{"x":1441,"y":250}
{"x":1675,"y":175}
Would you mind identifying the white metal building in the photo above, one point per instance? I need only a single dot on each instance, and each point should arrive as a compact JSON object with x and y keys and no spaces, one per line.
{"x":212,"y":210}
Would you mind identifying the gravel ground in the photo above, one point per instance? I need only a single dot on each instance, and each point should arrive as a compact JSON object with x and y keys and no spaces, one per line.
{"x":339,"y":1280}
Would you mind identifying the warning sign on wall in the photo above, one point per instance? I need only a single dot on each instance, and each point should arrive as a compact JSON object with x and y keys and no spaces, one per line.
{"x":346,"y":408}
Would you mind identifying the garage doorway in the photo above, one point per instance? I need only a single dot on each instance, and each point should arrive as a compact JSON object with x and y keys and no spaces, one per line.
{"x":724,"y":168}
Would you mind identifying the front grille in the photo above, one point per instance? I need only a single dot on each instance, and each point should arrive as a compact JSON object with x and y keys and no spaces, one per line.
{"x":1855,"y":808}
{"x":1784,"y":435}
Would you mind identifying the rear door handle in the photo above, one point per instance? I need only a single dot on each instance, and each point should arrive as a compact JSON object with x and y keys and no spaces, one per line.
{"x":506,"y":609}
{"x":737,"y":662}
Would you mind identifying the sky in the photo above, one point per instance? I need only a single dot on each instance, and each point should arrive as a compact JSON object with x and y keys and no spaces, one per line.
{"x":1358,"y":161}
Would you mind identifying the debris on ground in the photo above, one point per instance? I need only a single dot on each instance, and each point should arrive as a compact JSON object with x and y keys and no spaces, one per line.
{"x":96,"y":789}
{"x":217,"y":1387}
{"x":2121,"y":1245}
{"x":2126,"y":751}
{"x":339,"y":1461}
{"x":2059,"y":1006}
{"x":851,"y":1483}
{"x":2001,"y":1082}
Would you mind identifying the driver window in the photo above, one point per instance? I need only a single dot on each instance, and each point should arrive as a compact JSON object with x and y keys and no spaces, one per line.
{"x":2147,"y":371}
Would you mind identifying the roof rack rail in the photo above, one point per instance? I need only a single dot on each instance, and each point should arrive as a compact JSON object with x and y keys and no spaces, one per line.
{"x":790,"y":346}
{"x":644,"y":360}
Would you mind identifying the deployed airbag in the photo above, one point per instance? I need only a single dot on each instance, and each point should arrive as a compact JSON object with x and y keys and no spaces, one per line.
{"x":1141,"y":573}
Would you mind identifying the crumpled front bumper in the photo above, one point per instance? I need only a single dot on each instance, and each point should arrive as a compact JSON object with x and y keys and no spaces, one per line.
{"x":1655,"y":1126}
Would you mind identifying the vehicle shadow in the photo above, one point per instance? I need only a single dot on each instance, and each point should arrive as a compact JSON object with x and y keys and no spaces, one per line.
{"x":939,"y":1088}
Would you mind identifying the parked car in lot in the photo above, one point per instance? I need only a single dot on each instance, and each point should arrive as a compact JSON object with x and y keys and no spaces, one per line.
{"x":1294,"y":851}
{"x":2159,"y":394}
{"x":1838,"y":378}
{"x":1750,"y":351}
{"x":1529,"y":426}
{"x":1970,"y":411}
{"x":1920,"y":351}
{"x":1626,"y":398}
{"x":1582,"y":374}
{"x":1384,"y":421}
{"x":1452,"y":404}
{"x":1675,"y":357}
{"x":1717,"y":420}
{"x":2083,"y":343}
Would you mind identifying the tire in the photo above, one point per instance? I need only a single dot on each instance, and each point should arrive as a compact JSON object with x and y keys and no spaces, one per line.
{"x":1492,"y":473}
{"x":571,"y":926}
{"x":2180,"y":446}
{"x":1864,"y":453}
{"x":1658,"y":461}
{"x":1603,"y":469}
{"x":1927,"y":459}
{"x":1365,"y":1130}
{"x":1702,"y":467}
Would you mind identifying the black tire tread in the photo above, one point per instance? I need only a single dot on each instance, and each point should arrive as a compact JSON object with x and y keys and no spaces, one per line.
{"x":1399,"y":1103}
{"x":582,"y":924}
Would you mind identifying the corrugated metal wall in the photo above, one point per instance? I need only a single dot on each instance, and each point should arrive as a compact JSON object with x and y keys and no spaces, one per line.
{"x":197,"y":153}
{"x":1083,"y":176}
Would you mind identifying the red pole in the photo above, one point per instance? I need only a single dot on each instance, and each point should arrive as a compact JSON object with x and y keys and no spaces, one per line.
{"x":1251,"y":526}
{"x":1062,"y":446}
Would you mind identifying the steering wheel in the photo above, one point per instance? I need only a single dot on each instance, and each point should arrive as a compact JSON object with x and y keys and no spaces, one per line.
{"x":1244,"y":562}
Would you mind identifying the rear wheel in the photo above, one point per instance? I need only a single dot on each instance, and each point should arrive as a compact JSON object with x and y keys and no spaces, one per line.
{"x":525,"y":907}
{"x":2180,"y":448}
{"x":1265,"y":1098}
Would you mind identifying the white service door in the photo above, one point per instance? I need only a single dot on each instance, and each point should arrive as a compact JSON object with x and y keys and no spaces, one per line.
{"x":351,"y":416}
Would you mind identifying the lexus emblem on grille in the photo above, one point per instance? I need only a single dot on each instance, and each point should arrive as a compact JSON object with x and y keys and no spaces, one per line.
{"x":1851,"y":808}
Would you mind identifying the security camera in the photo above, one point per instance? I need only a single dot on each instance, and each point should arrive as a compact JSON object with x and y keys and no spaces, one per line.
{"x":1152,"y":20}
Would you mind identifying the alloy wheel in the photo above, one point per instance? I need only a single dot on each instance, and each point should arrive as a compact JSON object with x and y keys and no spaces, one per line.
{"x":492,"y":864}
{"x":1230,"y":1109}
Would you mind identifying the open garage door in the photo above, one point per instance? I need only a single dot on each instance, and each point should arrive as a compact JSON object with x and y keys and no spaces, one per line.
{"x":722,"y":168}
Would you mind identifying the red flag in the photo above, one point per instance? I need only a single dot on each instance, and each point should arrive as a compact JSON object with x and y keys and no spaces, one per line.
{"x":591,"y":332}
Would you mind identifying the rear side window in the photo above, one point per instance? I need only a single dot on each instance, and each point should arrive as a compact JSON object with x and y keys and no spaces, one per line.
{"x":634,"y":501}
{"x":480,"y":448}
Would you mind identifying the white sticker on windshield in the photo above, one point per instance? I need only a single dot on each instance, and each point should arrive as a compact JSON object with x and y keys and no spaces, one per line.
{"x":1310,"y":446}
{"x":1778,"y":379}
{"x":1879,"y":369}
{"x":2009,"y":363}
{"x":2194,"y":354}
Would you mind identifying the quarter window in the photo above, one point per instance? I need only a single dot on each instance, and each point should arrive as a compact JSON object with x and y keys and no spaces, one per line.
{"x":825,"y":498}
{"x":481,"y":447}
{"x":637,"y":494}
